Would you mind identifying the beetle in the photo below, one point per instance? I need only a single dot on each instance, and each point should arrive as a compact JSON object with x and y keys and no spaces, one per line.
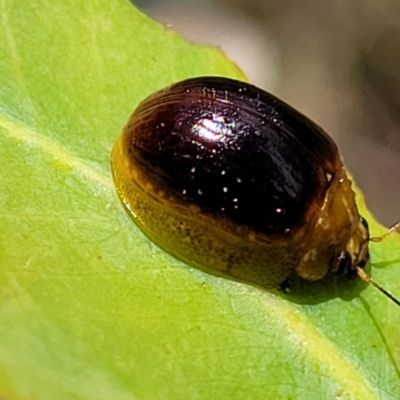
{"x":232,"y":180}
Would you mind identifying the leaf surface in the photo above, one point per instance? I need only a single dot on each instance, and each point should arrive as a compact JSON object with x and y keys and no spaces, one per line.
{"x":89,"y":307}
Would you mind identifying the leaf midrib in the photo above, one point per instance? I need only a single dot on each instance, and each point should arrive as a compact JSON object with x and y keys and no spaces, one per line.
{"x":48,"y":146}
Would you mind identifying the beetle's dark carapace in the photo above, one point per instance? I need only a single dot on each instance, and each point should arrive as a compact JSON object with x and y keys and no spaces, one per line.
{"x":231,"y":179}
{"x":234,"y":151}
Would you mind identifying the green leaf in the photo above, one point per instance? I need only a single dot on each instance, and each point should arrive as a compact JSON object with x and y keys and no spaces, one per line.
{"x":89,"y":307}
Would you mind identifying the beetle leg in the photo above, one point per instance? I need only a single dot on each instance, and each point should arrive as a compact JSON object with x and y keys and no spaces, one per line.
{"x":285,"y":286}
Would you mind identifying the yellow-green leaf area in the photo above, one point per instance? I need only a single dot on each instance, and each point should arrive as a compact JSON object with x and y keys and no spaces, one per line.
{"x":89,"y":307}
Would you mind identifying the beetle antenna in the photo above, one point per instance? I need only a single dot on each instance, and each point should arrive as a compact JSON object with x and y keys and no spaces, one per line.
{"x":366,"y":278}
{"x":392,"y":229}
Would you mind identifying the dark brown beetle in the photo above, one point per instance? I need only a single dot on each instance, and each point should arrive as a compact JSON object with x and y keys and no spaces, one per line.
{"x":232,"y":180}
